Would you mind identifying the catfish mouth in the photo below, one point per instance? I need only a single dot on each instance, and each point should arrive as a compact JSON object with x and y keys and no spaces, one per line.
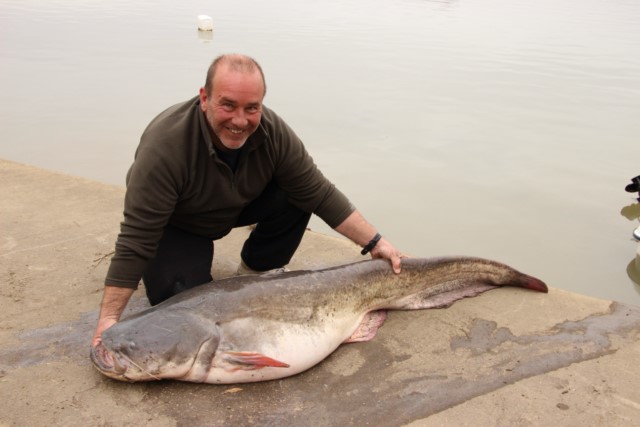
{"x":109,"y":363}
{"x":118,"y":366}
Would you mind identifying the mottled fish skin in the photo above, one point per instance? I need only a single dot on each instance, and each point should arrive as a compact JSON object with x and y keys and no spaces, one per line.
{"x":256,"y":328}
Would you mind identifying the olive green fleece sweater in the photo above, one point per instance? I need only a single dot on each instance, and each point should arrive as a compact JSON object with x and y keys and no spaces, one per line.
{"x":176,"y":178}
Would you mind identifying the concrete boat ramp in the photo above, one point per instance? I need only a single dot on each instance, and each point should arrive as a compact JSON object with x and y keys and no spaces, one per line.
{"x":508,"y":357}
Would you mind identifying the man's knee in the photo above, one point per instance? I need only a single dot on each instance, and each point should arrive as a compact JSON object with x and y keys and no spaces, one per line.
{"x":162,"y":289}
{"x":182,"y":261}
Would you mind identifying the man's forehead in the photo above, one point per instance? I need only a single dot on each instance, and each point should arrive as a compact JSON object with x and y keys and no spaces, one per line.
{"x":229,"y":73}
{"x":234,"y":79}
{"x":237,"y":85}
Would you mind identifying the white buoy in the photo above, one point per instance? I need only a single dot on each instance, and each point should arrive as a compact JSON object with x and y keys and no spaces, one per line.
{"x":205,"y":23}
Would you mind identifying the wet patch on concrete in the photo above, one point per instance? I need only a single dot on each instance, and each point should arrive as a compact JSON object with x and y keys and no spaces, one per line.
{"x":69,"y":340}
{"x":593,"y":331}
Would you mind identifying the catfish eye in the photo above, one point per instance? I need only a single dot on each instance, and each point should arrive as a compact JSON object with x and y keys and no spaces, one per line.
{"x":132,"y":345}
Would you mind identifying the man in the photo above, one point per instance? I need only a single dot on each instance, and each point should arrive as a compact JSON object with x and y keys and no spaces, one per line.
{"x":218,"y":161}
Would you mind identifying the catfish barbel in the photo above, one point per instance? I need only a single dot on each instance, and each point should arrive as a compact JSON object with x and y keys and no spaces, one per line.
{"x":264,"y":327}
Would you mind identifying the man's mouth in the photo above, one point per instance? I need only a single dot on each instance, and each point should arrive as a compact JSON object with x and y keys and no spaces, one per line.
{"x":236,"y":131}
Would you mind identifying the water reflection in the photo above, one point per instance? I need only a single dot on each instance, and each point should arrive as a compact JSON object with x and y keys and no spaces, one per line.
{"x":205,"y":36}
{"x":632,"y":213}
{"x":633,"y":270}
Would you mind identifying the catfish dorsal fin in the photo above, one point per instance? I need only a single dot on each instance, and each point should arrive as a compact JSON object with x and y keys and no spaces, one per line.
{"x":250,"y":360}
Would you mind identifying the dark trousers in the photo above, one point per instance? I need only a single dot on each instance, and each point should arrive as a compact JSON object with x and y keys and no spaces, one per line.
{"x":183,"y":260}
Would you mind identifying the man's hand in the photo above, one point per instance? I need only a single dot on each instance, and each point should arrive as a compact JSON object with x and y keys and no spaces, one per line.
{"x":386,"y":250}
{"x":114,"y":300}
{"x":103,"y":325}
{"x":356,"y":228}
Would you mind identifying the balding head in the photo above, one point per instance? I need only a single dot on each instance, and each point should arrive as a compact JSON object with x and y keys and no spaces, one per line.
{"x":236,"y":63}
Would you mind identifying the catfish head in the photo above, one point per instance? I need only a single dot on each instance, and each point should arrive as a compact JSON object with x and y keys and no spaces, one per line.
{"x":161,"y":344}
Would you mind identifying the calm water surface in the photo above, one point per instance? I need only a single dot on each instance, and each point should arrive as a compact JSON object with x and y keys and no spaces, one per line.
{"x":502,"y":129}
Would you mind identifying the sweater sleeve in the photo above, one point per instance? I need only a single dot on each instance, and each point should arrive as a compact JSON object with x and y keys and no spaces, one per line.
{"x":153,"y":187}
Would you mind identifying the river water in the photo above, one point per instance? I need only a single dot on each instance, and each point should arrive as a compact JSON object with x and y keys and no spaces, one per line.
{"x":505,"y":129}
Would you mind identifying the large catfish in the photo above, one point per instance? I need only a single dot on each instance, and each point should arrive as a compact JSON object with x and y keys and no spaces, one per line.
{"x":255,"y":328}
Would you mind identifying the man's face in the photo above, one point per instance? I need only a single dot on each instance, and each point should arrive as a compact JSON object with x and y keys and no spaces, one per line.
{"x":234,"y":107}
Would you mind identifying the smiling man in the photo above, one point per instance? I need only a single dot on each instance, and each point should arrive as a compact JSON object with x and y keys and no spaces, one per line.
{"x":218,"y":161}
{"x":232,"y":100}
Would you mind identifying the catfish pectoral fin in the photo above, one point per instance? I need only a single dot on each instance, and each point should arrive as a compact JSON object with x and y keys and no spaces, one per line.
{"x":250,"y":360}
{"x":368,"y":327}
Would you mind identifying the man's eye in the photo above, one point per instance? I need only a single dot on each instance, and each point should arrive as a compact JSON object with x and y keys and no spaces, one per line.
{"x":227,"y":106}
{"x":253,"y":110}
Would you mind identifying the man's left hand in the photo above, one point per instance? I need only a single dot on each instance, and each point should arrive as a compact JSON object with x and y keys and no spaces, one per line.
{"x":384,"y":249}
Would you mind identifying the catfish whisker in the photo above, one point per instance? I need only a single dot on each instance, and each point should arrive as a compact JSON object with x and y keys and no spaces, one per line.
{"x":143,"y":370}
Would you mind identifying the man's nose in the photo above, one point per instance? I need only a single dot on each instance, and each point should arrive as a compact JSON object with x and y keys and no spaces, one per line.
{"x":239,"y":118}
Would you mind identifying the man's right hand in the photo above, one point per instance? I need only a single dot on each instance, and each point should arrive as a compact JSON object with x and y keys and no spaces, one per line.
{"x":114,"y":300}
{"x":103,"y":325}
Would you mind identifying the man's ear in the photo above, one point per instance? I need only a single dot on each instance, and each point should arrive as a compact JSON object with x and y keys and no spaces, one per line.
{"x":203,"y":99}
